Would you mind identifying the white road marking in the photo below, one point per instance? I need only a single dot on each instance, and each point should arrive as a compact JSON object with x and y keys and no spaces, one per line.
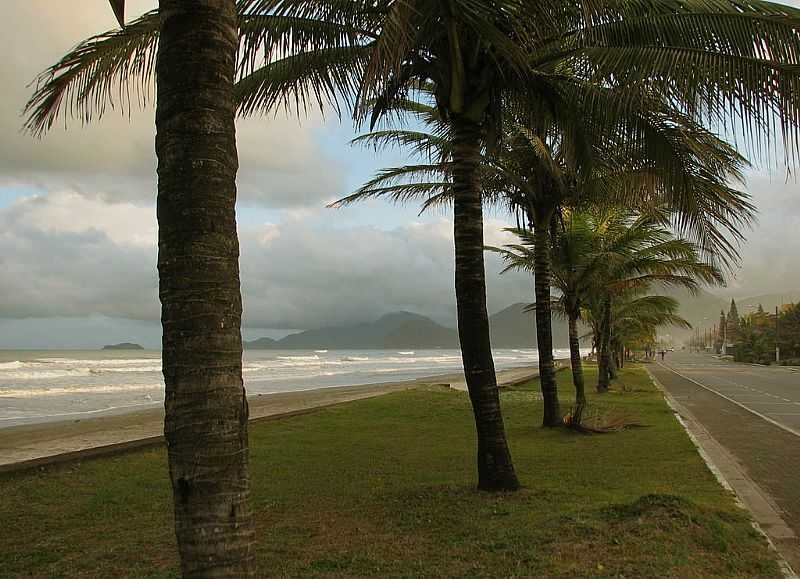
{"x":729,"y":399}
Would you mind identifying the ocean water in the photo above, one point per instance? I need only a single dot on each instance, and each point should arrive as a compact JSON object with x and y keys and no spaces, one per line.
{"x":50,"y":385}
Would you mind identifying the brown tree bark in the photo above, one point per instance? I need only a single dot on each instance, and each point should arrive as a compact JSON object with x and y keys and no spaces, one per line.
{"x":577,"y":369}
{"x":544,"y":325}
{"x":495,"y":467}
{"x":201,"y":305}
{"x":604,"y":348}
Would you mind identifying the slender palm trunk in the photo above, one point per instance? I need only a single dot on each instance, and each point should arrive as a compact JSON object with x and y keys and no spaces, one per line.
{"x":604,"y":348}
{"x":495,"y":468}
{"x":544,"y":325}
{"x":613,"y":357}
{"x":201,"y":305}
{"x":577,"y":368}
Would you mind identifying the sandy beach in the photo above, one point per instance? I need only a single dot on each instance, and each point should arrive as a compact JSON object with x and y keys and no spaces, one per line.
{"x":39,"y":444}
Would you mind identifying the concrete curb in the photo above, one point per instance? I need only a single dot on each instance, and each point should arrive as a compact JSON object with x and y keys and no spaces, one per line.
{"x":141,"y":443}
{"x":749,"y":496}
{"x":155,"y":441}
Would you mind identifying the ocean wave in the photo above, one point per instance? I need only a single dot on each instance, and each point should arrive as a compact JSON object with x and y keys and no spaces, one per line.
{"x":152,"y":368}
{"x":313,"y":358}
{"x":354,"y":358}
{"x":16,"y":364}
{"x":38,"y":417}
{"x":77,"y":389}
{"x":26,"y":375}
{"x":107,"y":362}
{"x":408,"y":353}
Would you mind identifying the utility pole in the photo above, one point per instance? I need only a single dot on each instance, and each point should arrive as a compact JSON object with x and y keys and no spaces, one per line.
{"x":724,"y":339}
{"x":777,"y":336}
{"x":714,"y":339}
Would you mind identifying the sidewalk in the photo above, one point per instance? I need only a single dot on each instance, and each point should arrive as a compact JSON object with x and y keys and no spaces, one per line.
{"x":45,"y":443}
{"x":767,"y":456}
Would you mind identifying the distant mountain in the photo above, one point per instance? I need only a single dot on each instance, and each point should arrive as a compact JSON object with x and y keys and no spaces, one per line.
{"x":123,"y":346}
{"x":701,"y":310}
{"x":768,"y":301}
{"x":515,"y":328}
{"x":261,"y":344}
{"x":392,"y":331}
{"x":510,"y":328}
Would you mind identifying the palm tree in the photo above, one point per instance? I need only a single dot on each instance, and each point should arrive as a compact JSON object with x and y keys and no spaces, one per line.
{"x":636,"y":318}
{"x":201,"y":303}
{"x":637,"y":252}
{"x":198,"y":261}
{"x":718,"y":62}
{"x":531,"y":175}
{"x":571,"y":269}
{"x":609,"y":257}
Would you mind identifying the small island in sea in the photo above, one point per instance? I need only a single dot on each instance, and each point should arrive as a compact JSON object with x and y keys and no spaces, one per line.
{"x":123,"y":346}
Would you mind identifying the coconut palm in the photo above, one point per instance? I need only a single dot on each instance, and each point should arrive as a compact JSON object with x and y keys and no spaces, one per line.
{"x":602,"y":261}
{"x":571,"y":269}
{"x":201,"y":303}
{"x":637,"y":253}
{"x":723,"y":61}
{"x":636,"y":319}
{"x":531,"y":175}
{"x":206,"y":409}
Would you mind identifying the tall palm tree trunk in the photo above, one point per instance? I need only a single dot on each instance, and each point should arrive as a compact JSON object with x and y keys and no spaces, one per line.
{"x":201,"y":304}
{"x":495,"y":468}
{"x":544,"y":328}
{"x":604,"y":348}
{"x":613,"y":356}
{"x":577,"y":368}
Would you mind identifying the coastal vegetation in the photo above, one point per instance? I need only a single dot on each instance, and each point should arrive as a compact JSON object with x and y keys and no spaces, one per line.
{"x":404,"y":504}
{"x":758,"y":336}
{"x":537,"y":91}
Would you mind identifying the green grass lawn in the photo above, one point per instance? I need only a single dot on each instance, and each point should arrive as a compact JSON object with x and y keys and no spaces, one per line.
{"x":384,"y":488}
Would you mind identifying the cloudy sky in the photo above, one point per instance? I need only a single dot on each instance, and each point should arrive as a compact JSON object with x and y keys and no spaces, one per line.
{"x":78,"y":231}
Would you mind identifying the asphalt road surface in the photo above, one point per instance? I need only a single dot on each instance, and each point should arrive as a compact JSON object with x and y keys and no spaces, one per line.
{"x":771,"y":391}
{"x":753,"y":412}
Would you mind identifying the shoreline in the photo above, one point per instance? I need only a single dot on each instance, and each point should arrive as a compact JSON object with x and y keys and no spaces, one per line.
{"x":33,"y":445}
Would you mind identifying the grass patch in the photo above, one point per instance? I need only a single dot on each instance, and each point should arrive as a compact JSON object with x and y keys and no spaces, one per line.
{"x":384,"y":487}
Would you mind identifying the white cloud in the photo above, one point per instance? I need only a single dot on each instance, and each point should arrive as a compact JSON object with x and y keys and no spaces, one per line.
{"x":66,"y":255}
{"x":281,"y":164}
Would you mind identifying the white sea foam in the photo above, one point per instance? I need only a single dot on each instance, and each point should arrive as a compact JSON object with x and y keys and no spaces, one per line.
{"x":300,"y":359}
{"x":76,"y":389}
{"x":16,"y":364}
{"x":53,"y":386}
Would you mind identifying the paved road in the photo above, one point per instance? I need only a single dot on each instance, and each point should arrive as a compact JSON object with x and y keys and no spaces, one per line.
{"x":754,"y":414}
{"x":772,"y":391}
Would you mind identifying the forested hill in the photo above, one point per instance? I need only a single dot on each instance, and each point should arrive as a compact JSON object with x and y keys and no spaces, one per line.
{"x":511,"y":328}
